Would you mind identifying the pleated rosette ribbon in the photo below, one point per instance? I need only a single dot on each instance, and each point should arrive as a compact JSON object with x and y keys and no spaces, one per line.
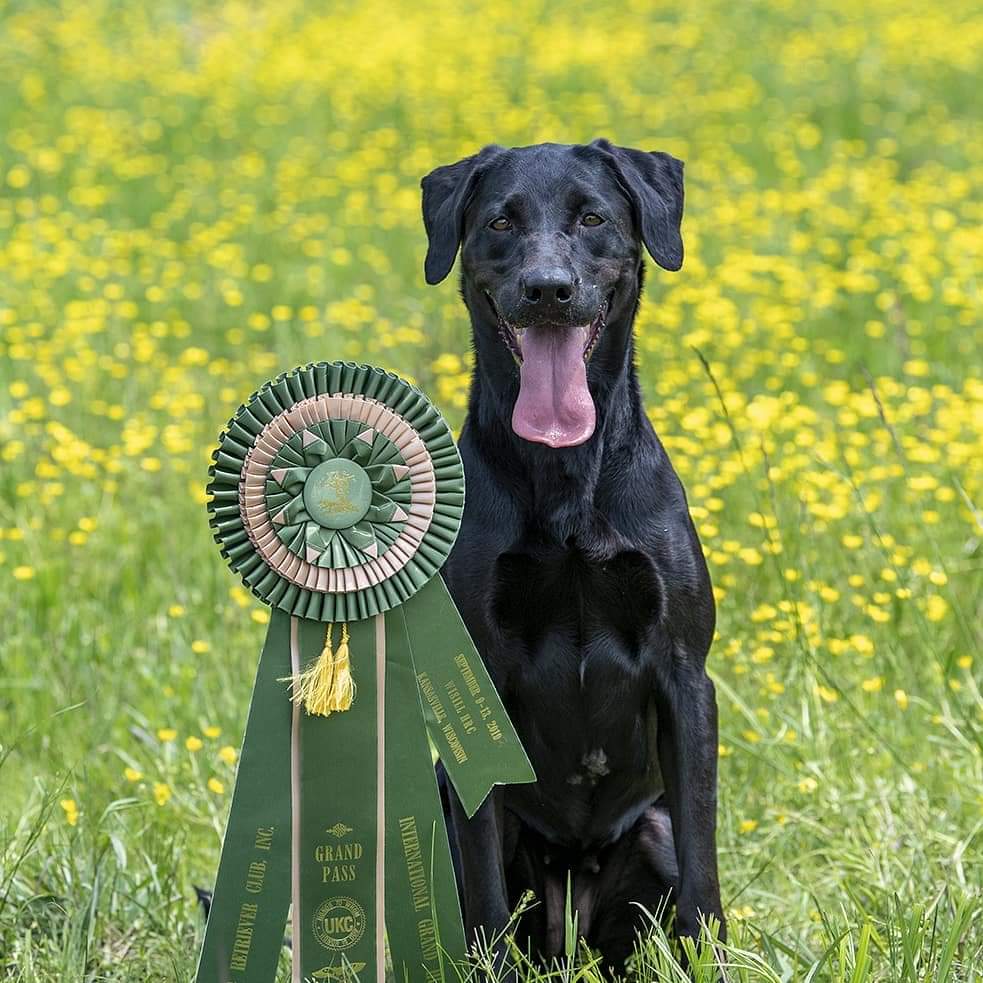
{"x":336,"y":494}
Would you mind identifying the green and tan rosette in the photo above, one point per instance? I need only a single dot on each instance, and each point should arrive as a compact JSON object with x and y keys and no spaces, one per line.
{"x":336,"y":494}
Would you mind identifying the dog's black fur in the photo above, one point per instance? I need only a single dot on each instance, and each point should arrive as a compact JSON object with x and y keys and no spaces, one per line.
{"x":577,"y":569}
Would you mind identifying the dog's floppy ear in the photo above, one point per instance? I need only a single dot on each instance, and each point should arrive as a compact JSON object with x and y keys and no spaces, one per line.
{"x":653,"y":182}
{"x":446,"y":193}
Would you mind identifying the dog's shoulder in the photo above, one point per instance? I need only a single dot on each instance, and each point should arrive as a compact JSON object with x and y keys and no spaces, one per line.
{"x":643,"y":502}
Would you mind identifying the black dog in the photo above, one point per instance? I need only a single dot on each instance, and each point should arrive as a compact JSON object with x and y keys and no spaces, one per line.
{"x":577,"y":570}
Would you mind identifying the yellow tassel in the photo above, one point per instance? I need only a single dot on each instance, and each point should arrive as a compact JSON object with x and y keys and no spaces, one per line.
{"x":326,"y":685}
{"x":343,"y":686}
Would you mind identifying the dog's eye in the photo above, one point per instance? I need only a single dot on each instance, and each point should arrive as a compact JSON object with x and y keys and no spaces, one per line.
{"x":500,"y":224}
{"x":592,"y":218}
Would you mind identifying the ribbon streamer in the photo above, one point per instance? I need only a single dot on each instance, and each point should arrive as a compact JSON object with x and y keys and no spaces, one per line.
{"x":339,"y":505}
{"x":252,"y":891}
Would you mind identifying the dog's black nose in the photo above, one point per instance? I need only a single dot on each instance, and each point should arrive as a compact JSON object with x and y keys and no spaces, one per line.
{"x":548,"y":288}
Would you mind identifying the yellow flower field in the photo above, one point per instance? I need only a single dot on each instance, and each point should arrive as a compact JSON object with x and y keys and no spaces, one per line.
{"x":196,"y":196}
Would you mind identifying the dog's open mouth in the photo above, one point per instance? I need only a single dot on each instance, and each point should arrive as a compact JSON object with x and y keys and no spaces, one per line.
{"x":554,"y":405}
{"x":513,"y":335}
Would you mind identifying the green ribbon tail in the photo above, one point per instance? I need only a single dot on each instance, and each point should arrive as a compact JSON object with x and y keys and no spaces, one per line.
{"x":244,"y":932}
{"x":465,"y":716}
{"x":323,"y":807}
{"x":423,"y":916}
{"x":338,"y":843}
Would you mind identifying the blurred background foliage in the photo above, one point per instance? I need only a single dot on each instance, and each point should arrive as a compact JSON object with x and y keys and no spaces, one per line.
{"x":196,"y":196}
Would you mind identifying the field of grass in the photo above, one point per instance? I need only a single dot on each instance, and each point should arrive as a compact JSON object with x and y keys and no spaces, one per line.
{"x":195,"y":196}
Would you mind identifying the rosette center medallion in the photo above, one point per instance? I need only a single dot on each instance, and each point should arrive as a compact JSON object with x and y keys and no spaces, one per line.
{"x":337,"y":494}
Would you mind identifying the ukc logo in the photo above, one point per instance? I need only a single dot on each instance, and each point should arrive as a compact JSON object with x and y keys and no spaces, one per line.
{"x":339,"y":923}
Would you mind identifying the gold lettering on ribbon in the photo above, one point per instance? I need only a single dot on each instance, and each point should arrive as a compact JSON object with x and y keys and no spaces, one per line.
{"x":481,"y":707}
{"x":419,"y":886}
{"x":454,"y":743}
{"x":428,"y":939}
{"x":255,"y":876}
{"x":426,"y":685}
{"x":243,"y":937}
{"x":249,"y":910}
{"x":338,"y":861}
{"x":457,"y":702}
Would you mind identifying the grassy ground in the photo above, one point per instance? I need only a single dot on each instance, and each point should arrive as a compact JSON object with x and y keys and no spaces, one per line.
{"x":196,"y":196}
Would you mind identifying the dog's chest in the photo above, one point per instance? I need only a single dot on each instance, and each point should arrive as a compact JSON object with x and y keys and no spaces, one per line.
{"x":576,"y":636}
{"x":564,"y":593}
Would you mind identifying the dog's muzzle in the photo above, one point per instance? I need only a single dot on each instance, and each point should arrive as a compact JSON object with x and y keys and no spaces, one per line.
{"x":554,"y":406}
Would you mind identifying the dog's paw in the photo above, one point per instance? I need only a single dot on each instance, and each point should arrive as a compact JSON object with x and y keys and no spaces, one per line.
{"x":695,"y":923}
{"x":496,"y":963}
{"x":691,"y":919}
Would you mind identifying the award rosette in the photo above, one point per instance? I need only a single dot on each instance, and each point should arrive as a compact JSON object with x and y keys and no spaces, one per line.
{"x":336,"y":494}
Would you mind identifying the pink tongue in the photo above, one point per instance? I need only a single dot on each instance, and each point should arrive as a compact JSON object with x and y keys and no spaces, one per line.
{"x":554,"y":405}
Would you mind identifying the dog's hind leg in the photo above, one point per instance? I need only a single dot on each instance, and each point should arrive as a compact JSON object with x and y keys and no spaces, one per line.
{"x":529,"y":868}
{"x":638,"y":870}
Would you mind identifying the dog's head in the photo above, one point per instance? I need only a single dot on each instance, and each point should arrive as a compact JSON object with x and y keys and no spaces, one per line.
{"x":550,"y":239}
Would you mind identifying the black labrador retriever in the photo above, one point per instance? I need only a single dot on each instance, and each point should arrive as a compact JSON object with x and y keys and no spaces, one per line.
{"x":577,"y":569}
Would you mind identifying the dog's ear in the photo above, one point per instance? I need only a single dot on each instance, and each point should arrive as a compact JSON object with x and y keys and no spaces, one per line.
{"x":653,"y":183}
{"x":446,"y":193}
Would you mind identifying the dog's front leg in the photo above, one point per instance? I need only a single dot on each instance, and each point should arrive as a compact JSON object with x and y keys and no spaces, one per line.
{"x":481,"y":869}
{"x":687,"y":709}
